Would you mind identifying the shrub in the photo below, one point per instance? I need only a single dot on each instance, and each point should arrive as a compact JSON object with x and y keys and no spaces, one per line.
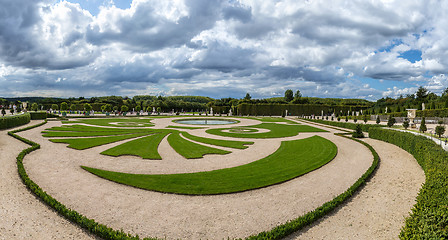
{"x":440,"y":130}
{"x":88,"y":107}
{"x":346,"y":118}
{"x":64,"y":106}
{"x":390,"y":121}
{"x":34,"y":107}
{"x":138,"y":108}
{"x":423,"y":125}
{"x":358,"y":132}
{"x":355,"y":119}
{"x":406,"y":123}
{"x":54,"y":106}
{"x":378,"y":120}
{"x":3,"y":112}
{"x":124,"y":108}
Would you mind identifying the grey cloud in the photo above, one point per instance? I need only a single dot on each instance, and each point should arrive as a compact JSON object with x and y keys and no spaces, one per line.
{"x":237,"y":12}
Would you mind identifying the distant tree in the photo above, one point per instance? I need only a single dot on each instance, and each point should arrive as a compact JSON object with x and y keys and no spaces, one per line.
{"x":391,"y":121}
{"x":115,"y":108}
{"x":64,"y":106}
{"x":446,"y":103}
{"x":87,"y":107}
{"x":34,"y":107}
{"x":247,"y":97}
{"x":406,"y":123}
{"x":124,"y":108}
{"x":3,"y":112}
{"x":11,"y":110}
{"x":346,"y":118}
{"x":138,"y":108}
{"x":378,"y":120}
{"x":365,"y":118}
{"x":107,"y":108}
{"x":73,"y":107}
{"x":54,"y":106}
{"x":298,"y":94}
{"x":159,"y":109}
{"x":289,"y":95}
{"x":355,"y":119}
{"x":339,"y":119}
{"x":423,"y":125}
{"x":421,"y":94}
{"x":398,"y":109}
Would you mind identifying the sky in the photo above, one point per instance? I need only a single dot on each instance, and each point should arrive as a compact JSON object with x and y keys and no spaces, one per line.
{"x":366,"y":49}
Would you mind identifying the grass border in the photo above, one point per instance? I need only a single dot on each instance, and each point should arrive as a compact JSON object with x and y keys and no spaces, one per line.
{"x":102,"y":231}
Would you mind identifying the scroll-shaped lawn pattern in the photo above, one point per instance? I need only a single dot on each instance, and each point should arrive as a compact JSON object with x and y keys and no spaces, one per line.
{"x":293,"y":158}
{"x":116,"y":122}
{"x":144,"y":145}
{"x":275,"y":131}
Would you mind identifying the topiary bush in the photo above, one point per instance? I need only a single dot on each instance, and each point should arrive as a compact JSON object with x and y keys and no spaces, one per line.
{"x":358,"y":132}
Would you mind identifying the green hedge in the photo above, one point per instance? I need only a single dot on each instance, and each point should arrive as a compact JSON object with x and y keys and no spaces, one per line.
{"x":293,"y":109}
{"x":343,"y":124}
{"x":429,"y":217}
{"x":14,"y":120}
{"x":284,"y":230}
{"x":99,"y":230}
{"x":38,"y":115}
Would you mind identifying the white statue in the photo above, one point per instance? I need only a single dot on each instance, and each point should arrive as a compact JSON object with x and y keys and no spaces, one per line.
{"x":211,"y":111}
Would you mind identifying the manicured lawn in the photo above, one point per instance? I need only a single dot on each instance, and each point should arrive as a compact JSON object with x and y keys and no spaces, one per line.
{"x":217,"y":142}
{"x":182,"y":127}
{"x":120,"y":122}
{"x":88,"y":131}
{"x":292,"y":159}
{"x":273,"y":119}
{"x":145,"y":147}
{"x":84,"y":143}
{"x":189,"y":149}
{"x":276,"y":131}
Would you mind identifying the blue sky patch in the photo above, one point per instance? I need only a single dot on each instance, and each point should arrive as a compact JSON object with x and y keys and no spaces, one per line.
{"x":412,"y":55}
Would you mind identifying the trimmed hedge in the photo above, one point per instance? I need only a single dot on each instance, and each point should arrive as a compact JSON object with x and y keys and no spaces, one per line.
{"x":305,"y":220}
{"x":429,"y":217}
{"x":38,"y":115}
{"x":293,"y":109}
{"x":14,"y":120}
{"x":90,"y":225}
{"x":365,"y":127}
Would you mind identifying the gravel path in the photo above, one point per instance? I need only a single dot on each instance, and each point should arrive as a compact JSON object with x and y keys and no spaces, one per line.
{"x":377,"y":212}
{"x":22,"y":215}
{"x":379,"y":209}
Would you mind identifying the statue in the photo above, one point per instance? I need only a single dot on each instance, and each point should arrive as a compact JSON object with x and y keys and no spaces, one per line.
{"x":211,"y":111}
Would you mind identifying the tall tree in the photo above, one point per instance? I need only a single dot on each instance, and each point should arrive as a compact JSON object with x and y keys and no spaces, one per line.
{"x":289,"y":95}
{"x":247,"y":97}
{"x":298,"y":94}
{"x":421,"y":94}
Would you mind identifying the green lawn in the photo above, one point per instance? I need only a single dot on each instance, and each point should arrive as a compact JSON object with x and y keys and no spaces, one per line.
{"x":84,"y":143}
{"x":276,"y":131}
{"x":272,"y":119}
{"x":189,"y":149}
{"x":182,"y":127}
{"x":88,"y":131}
{"x":145,"y":147}
{"x":217,"y":142}
{"x":121,"y":122}
{"x":292,"y":159}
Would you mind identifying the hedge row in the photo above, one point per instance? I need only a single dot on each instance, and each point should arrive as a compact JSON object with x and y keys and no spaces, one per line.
{"x":427,"y":113}
{"x":38,"y":115}
{"x":90,"y":225}
{"x":14,"y":121}
{"x":300,"y":222}
{"x":365,"y":127}
{"x":429,"y":217}
{"x":293,"y":109}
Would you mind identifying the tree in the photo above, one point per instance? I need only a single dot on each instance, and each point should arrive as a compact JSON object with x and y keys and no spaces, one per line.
{"x":34,"y":107}
{"x":378,"y":120}
{"x":115,"y":108}
{"x":289,"y":95}
{"x":124,"y":108}
{"x":391,"y":121}
{"x":406,"y":123}
{"x":3,"y":112}
{"x":73,"y":107}
{"x":87,"y":107}
{"x":423,"y":125}
{"x":358,"y":132}
{"x":365,"y":118}
{"x":54,"y":106}
{"x":339,"y":119}
{"x":421,"y":94}
{"x":247,"y":97}
{"x":138,"y":108}
{"x":346,"y":118}
{"x":64,"y":106}
{"x":355,"y":119}
{"x":298,"y":94}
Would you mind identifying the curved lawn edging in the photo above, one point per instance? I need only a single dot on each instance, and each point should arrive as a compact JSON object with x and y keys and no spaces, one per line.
{"x":102,"y":231}
{"x":429,"y":216}
{"x":14,"y":120}
{"x":90,"y":225}
{"x":292,"y":226}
